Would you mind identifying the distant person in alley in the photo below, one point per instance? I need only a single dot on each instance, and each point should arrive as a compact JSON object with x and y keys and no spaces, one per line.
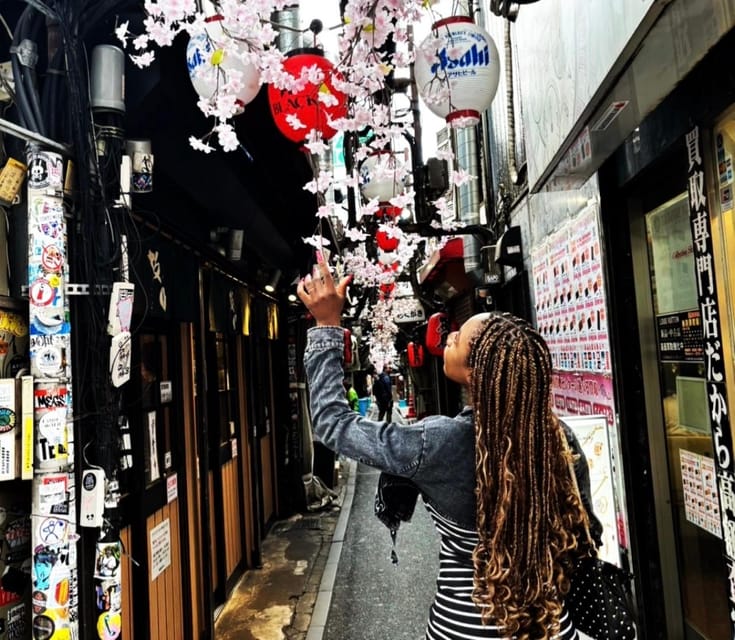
{"x":495,"y":478}
{"x":351,"y":394}
{"x":383,"y":392}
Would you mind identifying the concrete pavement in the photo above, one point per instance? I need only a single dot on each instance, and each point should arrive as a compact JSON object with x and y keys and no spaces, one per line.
{"x":289,"y":596}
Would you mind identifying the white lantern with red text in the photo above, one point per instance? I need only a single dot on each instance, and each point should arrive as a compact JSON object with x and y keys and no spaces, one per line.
{"x":457,"y":70}
{"x":213,"y":62}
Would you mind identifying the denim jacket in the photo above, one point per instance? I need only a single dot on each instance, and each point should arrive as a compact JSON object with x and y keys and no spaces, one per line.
{"x":437,"y":453}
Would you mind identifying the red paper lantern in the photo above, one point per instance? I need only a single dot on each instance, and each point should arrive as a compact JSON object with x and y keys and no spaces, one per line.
{"x":386,"y":242}
{"x":388,"y":211}
{"x":415,"y":355}
{"x":386,"y":289}
{"x":306,"y":105}
{"x":437,"y":330}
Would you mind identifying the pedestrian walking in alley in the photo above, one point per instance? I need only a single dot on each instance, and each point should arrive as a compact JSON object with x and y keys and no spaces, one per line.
{"x":495,"y":479}
{"x":351,"y":394}
{"x":383,"y":391}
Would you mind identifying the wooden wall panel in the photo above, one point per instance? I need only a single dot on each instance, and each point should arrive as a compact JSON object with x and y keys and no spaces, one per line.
{"x":231,"y":506}
{"x":127,"y":586}
{"x":246,"y":498}
{"x":165,"y":593}
{"x":193,"y":566}
{"x":213,"y":536}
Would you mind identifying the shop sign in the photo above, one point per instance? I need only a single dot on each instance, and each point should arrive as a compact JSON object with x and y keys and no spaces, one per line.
{"x":714,"y":356}
{"x":408,"y":310}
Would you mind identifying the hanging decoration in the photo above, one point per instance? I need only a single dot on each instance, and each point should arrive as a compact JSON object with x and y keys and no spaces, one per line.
{"x":382,"y":176}
{"x":437,"y":330}
{"x":385,"y":241}
{"x":415,"y":352}
{"x":213,"y":63}
{"x":311,"y":99}
{"x":315,"y":105}
{"x":457,"y":70}
{"x":388,"y":212}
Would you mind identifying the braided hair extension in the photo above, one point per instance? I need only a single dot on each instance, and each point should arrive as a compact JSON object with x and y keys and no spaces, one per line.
{"x":531,"y":524}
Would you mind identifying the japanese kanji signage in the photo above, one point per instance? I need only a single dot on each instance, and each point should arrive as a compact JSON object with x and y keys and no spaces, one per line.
{"x":713,"y":352}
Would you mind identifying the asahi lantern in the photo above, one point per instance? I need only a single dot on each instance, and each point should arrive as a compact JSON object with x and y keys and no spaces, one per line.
{"x":213,"y":61}
{"x":296,"y":114}
{"x":457,"y":70}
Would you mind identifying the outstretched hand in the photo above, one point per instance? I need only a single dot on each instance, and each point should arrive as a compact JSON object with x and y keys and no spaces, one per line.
{"x":321,"y":296}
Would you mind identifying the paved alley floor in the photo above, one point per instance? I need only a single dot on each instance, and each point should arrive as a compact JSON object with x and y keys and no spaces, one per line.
{"x":276,"y":601}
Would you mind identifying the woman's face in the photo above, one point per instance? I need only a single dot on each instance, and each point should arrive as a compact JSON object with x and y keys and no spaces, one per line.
{"x":457,"y":351}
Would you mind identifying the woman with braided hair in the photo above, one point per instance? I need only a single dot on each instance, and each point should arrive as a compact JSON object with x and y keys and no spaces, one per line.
{"x":495,"y":478}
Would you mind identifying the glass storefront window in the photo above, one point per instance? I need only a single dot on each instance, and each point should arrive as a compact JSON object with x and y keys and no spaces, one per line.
{"x":686,"y":418}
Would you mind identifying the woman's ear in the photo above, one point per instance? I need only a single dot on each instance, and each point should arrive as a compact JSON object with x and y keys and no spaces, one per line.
{"x":467,"y":376}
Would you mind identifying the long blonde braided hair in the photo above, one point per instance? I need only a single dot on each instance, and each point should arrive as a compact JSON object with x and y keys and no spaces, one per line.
{"x":530,"y":521}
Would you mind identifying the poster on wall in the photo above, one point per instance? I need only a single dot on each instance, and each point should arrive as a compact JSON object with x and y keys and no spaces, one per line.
{"x":571,"y":311}
{"x":701,"y":506}
{"x":571,"y":315}
{"x":592,"y":434}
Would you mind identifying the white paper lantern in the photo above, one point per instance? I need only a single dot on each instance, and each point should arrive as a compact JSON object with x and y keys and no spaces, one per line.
{"x":209,"y":59}
{"x":382,"y":176}
{"x":458,"y":78}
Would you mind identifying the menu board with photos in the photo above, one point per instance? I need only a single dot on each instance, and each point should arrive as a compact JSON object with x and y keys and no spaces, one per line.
{"x":592,"y":434}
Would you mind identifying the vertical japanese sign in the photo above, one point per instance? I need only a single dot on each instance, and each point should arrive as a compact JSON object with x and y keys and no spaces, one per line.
{"x":713,"y":351}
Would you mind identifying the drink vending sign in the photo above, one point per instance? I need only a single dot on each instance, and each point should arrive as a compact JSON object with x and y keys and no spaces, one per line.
{"x":714,"y":356}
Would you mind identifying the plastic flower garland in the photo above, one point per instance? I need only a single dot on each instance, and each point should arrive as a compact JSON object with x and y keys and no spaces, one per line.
{"x":249,"y":34}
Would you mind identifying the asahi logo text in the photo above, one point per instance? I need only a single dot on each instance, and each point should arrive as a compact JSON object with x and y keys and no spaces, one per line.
{"x":473,"y":57}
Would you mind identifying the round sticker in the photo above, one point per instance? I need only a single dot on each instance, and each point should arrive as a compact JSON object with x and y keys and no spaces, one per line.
{"x":41,"y":293}
{"x":52,"y":425}
{"x":51,"y":258}
{"x":48,"y":360}
{"x":38,"y":601}
{"x":52,"y":531}
{"x":109,"y":625}
{"x":7,"y":419}
{"x":43,"y":627}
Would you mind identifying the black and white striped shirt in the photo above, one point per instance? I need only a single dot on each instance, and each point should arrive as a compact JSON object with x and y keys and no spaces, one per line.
{"x":453,"y":615}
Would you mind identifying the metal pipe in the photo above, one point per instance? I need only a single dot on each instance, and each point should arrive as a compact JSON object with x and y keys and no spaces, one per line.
{"x":31,"y":136}
{"x":289,"y":30}
{"x":468,"y":196}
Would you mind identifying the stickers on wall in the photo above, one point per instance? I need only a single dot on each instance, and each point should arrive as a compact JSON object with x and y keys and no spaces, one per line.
{"x":51,"y":590}
{"x":13,"y":343}
{"x":108,"y":585}
{"x":107,"y":565}
{"x":50,"y":355}
{"x":120,"y":358}
{"x":46,"y":172}
{"x":51,"y":495}
{"x":726,"y":199}
{"x":51,"y":408}
{"x":46,"y":261}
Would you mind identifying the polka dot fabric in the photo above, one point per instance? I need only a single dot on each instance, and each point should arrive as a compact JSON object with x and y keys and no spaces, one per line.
{"x":599,"y":601}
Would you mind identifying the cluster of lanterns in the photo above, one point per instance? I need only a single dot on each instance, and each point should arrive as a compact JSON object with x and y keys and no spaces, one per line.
{"x":457,"y":73}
